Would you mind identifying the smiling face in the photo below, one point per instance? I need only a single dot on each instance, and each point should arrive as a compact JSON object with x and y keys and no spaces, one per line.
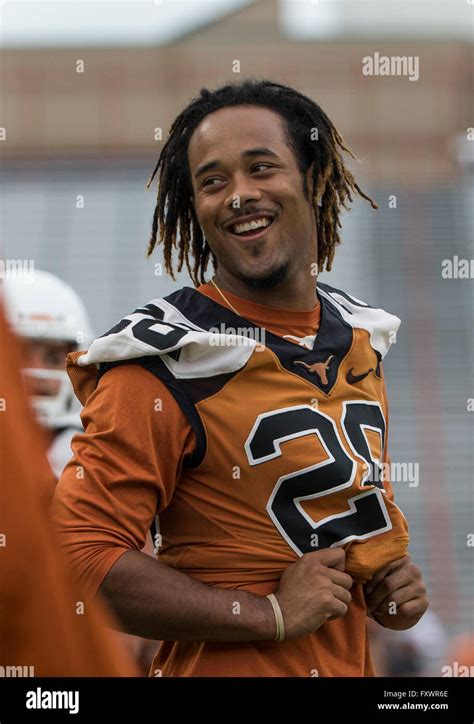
{"x":243,"y":170}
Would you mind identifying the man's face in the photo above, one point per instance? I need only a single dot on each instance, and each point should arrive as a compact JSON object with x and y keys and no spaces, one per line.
{"x":44,"y":355}
{"x":253,"y":166}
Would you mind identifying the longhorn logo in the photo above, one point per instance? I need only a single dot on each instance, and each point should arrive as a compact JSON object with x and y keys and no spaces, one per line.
{"x":319,"y":368}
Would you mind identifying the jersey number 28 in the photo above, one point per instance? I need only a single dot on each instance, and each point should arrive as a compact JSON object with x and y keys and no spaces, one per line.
{"x":366,"y":514}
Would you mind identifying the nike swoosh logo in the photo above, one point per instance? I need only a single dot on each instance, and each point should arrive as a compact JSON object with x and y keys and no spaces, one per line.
{"x":353,"y":379}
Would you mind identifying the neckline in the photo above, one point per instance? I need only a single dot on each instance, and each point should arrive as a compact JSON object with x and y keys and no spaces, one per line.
{"x":263,"y":312}
{"x":334,"y":336}
{"x":268,"y":334}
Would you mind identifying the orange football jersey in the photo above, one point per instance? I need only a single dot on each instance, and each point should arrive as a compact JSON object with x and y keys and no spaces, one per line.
{"x":275,"y":424}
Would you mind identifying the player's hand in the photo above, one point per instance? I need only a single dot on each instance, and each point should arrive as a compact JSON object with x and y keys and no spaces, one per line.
{"x":396,"y":595}
{"x":314,"y":590}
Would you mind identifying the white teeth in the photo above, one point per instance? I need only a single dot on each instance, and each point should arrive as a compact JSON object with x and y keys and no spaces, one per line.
{"x":250,"y":225}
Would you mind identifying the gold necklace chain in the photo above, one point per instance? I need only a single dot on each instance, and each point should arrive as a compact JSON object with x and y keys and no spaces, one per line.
{"x":225,"y":298}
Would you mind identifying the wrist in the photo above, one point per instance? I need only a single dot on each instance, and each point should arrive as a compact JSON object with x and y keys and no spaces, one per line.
{"x":263,"y":621}
{"x":279,"y":622}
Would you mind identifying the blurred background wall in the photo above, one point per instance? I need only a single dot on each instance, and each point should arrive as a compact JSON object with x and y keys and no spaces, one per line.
{"x":84,"y":88}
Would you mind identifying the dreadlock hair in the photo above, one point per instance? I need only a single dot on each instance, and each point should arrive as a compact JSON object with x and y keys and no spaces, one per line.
{"x":308,"y":132}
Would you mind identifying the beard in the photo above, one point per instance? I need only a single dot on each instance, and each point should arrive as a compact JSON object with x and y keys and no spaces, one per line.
{"x":269,"y":281}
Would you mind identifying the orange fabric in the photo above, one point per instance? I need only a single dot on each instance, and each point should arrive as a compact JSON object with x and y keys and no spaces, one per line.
{"x":339,"y":648}
{"x":214,"y":525}
{"x":278,"y":321}
{"x":41,"y":624}
{"x":118,"y":476}
{"x":250,"y":541}
{"x":83,"y":379}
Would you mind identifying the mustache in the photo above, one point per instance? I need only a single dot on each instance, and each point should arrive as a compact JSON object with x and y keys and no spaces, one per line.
{"x":249,"y":212}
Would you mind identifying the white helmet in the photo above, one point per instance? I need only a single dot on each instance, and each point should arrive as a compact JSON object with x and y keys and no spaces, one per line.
{"x":41,"y":306}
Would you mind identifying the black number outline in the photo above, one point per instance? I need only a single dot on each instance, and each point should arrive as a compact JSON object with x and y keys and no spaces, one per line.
{"x":373,"y":498}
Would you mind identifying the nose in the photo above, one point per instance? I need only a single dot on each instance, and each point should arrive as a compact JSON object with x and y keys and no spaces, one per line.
{"x":41,"y":387}
{"x":242,"y":191}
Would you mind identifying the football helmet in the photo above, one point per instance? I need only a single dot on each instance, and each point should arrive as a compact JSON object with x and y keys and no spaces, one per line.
{"x":42,"y":307}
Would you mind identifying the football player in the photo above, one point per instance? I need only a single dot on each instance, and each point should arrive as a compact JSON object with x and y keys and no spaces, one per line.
{"x":248,"y":412}
{"x":51,"y":321}
{"x":41,"y":633}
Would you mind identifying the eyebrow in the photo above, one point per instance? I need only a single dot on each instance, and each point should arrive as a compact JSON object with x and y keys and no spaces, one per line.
{"x":250,"y":153}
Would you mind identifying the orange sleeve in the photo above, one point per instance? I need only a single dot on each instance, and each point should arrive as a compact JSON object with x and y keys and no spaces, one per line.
{"x":124,"y":469}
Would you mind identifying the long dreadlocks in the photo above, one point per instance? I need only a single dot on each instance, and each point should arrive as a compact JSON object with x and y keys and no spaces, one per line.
{"x":309,"y":133}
